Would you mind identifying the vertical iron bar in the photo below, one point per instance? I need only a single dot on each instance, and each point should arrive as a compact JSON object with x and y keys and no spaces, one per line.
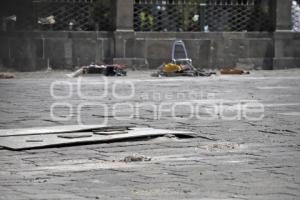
{"x":202,"y":15}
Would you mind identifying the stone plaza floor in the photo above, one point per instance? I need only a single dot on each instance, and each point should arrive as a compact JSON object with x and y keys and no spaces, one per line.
{"x":247,"y":144}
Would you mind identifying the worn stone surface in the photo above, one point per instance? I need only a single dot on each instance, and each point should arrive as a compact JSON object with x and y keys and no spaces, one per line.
{"x":231,"y":159}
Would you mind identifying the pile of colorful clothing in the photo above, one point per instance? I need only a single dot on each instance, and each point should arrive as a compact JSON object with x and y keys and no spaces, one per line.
{"x":172,"y":69}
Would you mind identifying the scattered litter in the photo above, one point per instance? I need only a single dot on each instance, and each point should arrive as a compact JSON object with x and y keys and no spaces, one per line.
{"x":187,"y":191}
{"x":229,"y":71}
{"x":135,"y":158}
{"x":222,"y":147}
{"x":171,"y":70}
{"x":46,"y":20}
{"x":107,"y":70}
{"x":7,"y":75}
{"x":181,"y":64}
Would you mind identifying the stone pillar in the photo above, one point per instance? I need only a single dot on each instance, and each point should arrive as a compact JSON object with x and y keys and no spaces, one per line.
{"x":124,"y":33}
{"x":286,"y":50}
{"x":283,"y":18}
{"x":123,"y":15}
{"x":123,"y":25}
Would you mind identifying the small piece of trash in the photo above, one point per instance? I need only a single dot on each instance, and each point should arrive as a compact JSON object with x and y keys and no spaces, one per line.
{"x":222,"y":147}
{"x":135,"y":158}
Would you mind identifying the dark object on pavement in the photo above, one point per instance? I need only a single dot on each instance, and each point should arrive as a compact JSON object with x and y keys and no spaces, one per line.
{"x":135,"y":158}
{"x":93,"y":69}
{"x":115,"y":70}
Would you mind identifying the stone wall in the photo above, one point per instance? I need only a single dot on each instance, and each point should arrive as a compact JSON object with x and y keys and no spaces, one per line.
{"x":207,"y":50}
{"x":30,"y":51}
{"x":287,"y":50}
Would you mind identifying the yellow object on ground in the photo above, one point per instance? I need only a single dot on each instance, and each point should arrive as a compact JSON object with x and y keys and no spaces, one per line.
{"x":172,"y":68}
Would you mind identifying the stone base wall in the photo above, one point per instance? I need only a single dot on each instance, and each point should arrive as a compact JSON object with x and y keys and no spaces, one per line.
{"x":207,"y":50}
{"x":30,"y":51}
{"x":286,"y":50}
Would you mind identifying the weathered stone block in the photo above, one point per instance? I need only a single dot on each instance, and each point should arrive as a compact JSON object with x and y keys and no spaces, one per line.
{"x":260,"y":48}
{"x":159,"y":49}
{"x":84,"y":51}
{"x":239,"y":48}
{"x":286,"y":63}
{"x":55,"y":52}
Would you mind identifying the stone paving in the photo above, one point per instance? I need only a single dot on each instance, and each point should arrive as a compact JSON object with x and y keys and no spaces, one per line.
{"x":237,"y":158}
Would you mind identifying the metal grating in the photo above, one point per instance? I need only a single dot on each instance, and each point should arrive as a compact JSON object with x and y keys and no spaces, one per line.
{"x":202,"y":15}
{"x":80,"y":15}
{"x":74,"y":14}
{"x":296,"y":16}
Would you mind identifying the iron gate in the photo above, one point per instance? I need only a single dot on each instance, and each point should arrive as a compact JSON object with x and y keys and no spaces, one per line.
{"x":85,"y":15}
{"x":202,"y":15}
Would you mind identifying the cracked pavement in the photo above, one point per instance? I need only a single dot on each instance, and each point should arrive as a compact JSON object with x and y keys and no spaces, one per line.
{"x":229,"y":159}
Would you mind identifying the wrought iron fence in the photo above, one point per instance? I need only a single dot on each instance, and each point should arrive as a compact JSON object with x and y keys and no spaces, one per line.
{"x":64,"y":15}
{"x":296,"y":15}
{"x":202,"y":15}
